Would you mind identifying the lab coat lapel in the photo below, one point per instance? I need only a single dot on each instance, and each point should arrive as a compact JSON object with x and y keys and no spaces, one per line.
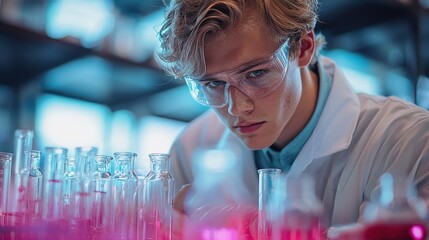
{"x":337,"y":122}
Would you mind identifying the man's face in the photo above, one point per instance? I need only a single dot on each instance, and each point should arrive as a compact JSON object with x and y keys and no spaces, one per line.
{"x":258,"y":122}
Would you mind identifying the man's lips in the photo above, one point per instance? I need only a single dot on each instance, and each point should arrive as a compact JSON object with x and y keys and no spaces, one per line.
{"x":248,"y":127}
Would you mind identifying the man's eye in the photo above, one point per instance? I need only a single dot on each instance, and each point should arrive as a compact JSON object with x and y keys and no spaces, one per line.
{"x":256,"y":73}
{"x":213,"y":84}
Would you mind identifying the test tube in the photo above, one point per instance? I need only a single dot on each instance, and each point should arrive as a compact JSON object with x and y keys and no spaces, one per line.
{"x":267,"y":180}
{"x":100,"y":189}
{"x":5,"y":168}
{"x":17,"y":198}
{"x":54,"y":166}
{"x":34,"y":187}
{"x":156,"y":221}
{"x":85,"y":161}
{"x":124,"y":184}
{"x":68,"y":182}
{"x":81,"y":195}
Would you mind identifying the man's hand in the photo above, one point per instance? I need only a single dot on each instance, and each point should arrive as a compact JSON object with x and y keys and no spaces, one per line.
{"x":242,"y":219}
{"x":346,"y":232}
{"x":179,"y":199}
{"x":180,"y":220}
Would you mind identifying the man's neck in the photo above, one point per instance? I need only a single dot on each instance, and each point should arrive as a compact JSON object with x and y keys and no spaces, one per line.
{"x":304,"y":110}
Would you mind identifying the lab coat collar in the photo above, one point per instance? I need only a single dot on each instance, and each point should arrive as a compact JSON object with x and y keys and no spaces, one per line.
{"x":337,"y":122}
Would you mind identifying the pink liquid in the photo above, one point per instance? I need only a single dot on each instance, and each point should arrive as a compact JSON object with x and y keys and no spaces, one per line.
{"x":82,"y":204}
{"x":81,"y":226}
{"x":34,"y":194}
{"x":302,"y":234}
{"x":153,"y":227}
{"x":265,"y":228}
{"x":79,"y":222}
{"x":299,"y":226}
{"x":14,"y":218}
{"x":99,"y":212}
{"x":84,"y":194}
{"x":51,"y":200}
{"x":124,"y":227}
{"x":219,"y":234}
{"x":395,"y":231}
{"x":199,"y":232}
{"x":17,"y":205}
{"x":47,"y":230}
{"x":23,"y":219}
{"x":155,"y":232}
{"x":230,"y":228}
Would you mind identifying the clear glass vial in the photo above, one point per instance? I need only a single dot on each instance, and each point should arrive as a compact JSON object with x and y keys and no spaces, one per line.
{"x":156,"y":217}
{"x":124,"y":184}
{"x":35,"y":184}
{"x":100,"y":188}
{"x":268,"y":179}
{"x":53,"y":175}
{"x":5,"y":170}
{"x":17,"y":206}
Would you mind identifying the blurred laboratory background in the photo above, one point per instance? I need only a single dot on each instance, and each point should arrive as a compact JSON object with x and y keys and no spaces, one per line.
{"x":83,"y":72}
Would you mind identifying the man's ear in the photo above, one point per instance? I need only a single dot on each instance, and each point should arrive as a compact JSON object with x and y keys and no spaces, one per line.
{"x":306,"y":49}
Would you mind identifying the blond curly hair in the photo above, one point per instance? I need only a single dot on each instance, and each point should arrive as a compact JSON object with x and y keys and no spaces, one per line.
{"x":189,"y":23}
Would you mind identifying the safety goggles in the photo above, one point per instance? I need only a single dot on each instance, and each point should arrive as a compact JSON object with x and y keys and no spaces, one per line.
{"x":256,"y":79}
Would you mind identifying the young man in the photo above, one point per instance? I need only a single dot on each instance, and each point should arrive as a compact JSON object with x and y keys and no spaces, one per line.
{"x":256,"y":64}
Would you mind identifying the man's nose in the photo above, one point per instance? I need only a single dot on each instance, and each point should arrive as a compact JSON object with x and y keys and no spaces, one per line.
{"x":238,"y":102}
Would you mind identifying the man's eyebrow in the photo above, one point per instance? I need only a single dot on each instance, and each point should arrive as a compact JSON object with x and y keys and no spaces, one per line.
{"x":247,"y":66}
{"x":208,"y":78}
{"x":242,"y":68}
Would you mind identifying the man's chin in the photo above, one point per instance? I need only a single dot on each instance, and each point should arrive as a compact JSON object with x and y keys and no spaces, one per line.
{"x":254,"y":145}
{"x":251,"y":142}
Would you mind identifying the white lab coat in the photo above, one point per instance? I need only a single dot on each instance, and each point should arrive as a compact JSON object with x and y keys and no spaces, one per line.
{"x":357,"y":138}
